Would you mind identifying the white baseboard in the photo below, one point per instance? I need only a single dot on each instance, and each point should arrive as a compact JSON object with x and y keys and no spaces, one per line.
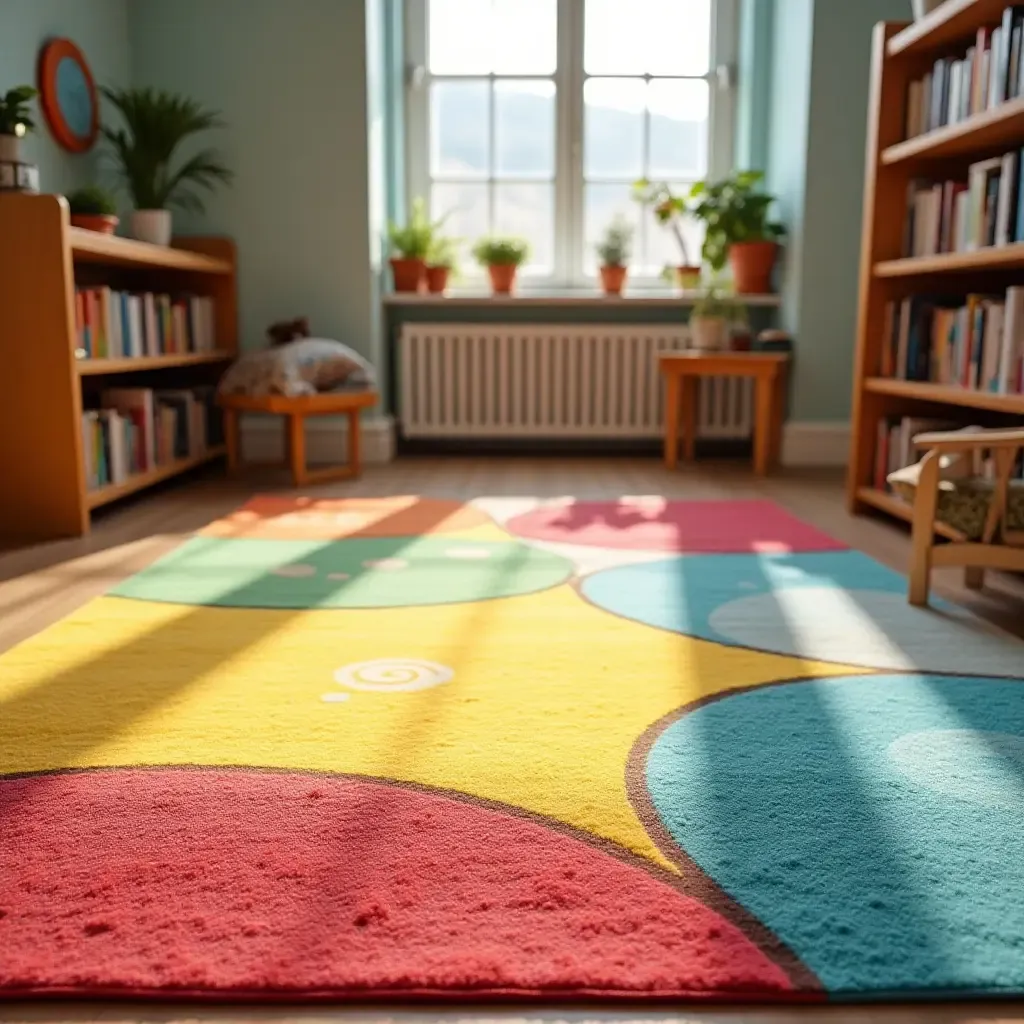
{"x":262,"y":439}
{"x":805,"y":443}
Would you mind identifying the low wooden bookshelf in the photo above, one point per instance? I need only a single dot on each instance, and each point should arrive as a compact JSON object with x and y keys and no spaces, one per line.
{"x":903,"y":53}
{"x":42,"y":259}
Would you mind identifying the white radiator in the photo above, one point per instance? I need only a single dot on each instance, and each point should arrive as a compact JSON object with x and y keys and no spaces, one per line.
{"x":556,"y":380}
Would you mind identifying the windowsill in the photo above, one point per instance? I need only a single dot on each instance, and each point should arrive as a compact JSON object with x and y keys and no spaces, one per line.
{"x":567,"y":297}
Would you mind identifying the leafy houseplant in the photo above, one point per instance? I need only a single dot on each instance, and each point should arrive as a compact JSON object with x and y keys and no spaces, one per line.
{"x":441,"y":264}
{"x":94,"y":209}
{"x":156,"y":123}
{"x":411,"y":244}
{"x":711,"y":317}
{"x":502,"y":258}
{"x":736,"y":215}
{"x":614,"y":251}
{"x":15,"y":121}
{"x":669,"y":211}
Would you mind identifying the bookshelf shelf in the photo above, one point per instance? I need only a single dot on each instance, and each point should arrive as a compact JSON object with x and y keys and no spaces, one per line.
{"x":97,"y":367}
{"x":993,"y":257}
{"x":140,"y":481}
{"x":45,"y":264}
{"x":1000,"y":128}
{"x":946,"y":394}
{"x":949,"y":23}
{"x":901,"y":55}
{"x":92,"y":247}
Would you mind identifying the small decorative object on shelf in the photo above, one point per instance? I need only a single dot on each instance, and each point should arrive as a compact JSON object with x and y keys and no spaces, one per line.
{"x":614,"y":251}
{"x":773,"y":340}
{"x":711,"y":318}
{"x":670,"y":211}
{"x":94,"y":209}
{"x":922,"y":8}
{"x":410,"y":246}
{"x":738,"y":229}
{"x":442,"y":264}
{"x":16,"y":174}
{"x":156,"y":123}
{"x":502,"y":257}
{"x":68,"y":96}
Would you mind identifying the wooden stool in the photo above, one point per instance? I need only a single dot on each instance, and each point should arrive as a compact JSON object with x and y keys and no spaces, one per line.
{"x":682,"y":372}
{"x":295,"y":410}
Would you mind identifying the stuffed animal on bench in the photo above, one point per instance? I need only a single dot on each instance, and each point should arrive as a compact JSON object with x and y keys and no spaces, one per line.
{"x":296,"y":364}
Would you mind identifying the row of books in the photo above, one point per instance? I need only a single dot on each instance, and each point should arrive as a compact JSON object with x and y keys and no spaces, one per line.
{"x":975,"y":342}
{"x":894,"y":449}
{"x":112,"y":324}
{"x":961,"y":216}
{"x":136,"y":430}
{"x":989,"y":73}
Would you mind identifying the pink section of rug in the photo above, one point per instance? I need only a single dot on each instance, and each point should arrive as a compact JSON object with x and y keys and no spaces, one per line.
{"x":678,"y":526}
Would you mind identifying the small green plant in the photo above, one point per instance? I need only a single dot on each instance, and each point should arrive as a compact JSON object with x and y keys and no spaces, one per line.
{"x":14,"y":115}
{"x":414,"y":240}
{"x":156,"y":123}
{"x":501,"y":252}
{"x":733,"y":210}
{"x":92,"y":201}
{"x":717,"y":302}
{"x":443,"y":252}
{"x":668,"y":208}
{"x":615,"y":249}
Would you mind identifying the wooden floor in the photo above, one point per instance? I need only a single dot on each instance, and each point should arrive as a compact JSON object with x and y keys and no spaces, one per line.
{"x":40,"y":585}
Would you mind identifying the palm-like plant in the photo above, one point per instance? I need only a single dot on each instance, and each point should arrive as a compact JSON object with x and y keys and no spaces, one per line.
{"x":155,"y":124}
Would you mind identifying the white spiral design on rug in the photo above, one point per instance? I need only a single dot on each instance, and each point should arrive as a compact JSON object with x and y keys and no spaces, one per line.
{"x":393,"y":675}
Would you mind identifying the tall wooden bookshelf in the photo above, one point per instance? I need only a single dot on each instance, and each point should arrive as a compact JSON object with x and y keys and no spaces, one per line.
{"x":900,"y":54}
{"x":43,"y":492}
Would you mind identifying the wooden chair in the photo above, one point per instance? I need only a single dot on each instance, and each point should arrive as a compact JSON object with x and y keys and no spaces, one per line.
{"x":982,"y":520}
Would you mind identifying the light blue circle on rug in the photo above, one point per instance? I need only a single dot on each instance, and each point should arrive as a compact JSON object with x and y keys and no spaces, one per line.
{"x":74,"y":97}
{"x":873,"y":823}
{"x":837,"y":606}
{"x":371,"y":572}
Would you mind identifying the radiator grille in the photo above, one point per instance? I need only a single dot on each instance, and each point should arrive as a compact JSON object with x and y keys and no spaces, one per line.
{"x":505,"y":381}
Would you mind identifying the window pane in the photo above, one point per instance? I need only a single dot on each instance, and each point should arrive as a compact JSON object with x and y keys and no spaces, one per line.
{"x":525,"y":128}
{"x":459,"y":129}
{"x":660,"y":245}
{"x":601,"y":204}
{"x":524,"y":34}
{"x":528,"y":211}
{"x":678,"y":146}
{"x":466,"y":207}
{"x":657,"y":37}
{"x":613,"y":118}
{"x":457,"y":30}
{"x":513,"y":37}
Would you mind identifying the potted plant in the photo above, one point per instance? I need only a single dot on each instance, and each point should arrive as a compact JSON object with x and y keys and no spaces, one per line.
{"x":711,"y":318}
{"x":669,"y":210}
{"x":614,"y":251}
{"x":411,"y":244}
{"x":15,"y":121}
{"x":94,"y":209}
{"x":156,"y":123}
{"x":441,"y":264}
{"x":739,"y":230}
{"x":502,"y":258}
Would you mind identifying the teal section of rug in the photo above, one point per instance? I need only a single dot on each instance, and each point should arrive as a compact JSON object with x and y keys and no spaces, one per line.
{"x":874,"y":823}
{"x":378,"y":572}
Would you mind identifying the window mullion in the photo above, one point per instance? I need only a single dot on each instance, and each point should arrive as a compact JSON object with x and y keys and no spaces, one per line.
{"x":569,"y":179}
{"x":492,"y":175}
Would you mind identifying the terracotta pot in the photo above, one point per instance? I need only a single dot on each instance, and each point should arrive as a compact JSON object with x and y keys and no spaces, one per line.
{"x":708,"y":333}
{"x":503,"y":277}
{"x":437,"y":279}
{"x":688,"y":278}
{"x":104,"y":223}
{"x":612,"y":280}
{"x":408,"y":274}
{"x":752,"y":266}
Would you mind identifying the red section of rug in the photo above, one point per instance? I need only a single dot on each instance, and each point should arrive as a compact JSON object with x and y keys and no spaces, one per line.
{"x":686,"y":526}
{"x":222,"y":883}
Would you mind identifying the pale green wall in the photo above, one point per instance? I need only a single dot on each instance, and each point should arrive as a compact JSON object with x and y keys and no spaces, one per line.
{"x":100,"y":29}
{"x":291,"y":81}
{"x":820,"y":73}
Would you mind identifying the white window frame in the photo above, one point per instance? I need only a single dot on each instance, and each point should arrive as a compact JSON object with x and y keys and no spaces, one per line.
{"x":569,"y":78}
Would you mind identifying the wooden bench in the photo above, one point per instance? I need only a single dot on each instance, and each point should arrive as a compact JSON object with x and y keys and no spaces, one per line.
{"x":295,"y":410}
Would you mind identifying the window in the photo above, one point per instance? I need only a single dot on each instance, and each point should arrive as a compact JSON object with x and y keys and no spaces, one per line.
{"x":535,"y":117}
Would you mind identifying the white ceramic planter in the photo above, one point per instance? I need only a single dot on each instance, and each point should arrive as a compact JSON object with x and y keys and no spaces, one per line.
{"x":10,"y":149}
{"x":152,"y":226}
{"x":708,"y":333}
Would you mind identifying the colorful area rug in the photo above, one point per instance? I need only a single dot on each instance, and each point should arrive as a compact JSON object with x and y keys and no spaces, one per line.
{"x":395,"y":747}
